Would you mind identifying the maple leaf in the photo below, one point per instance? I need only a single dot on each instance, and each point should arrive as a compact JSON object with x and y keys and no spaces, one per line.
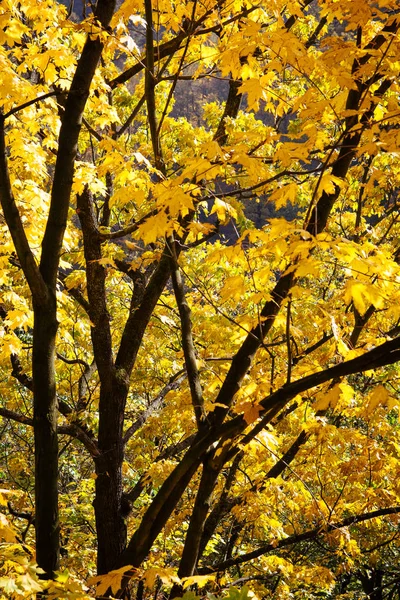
{"x":223,"y":210}
{"x":286,"y":193}
{"x":112,"y":580}
{"x":328,"y":399}
{"x":251,"y":412}
{"x":167,"y":576}
{"x":200,"y":580}
{"x":378,"y":396}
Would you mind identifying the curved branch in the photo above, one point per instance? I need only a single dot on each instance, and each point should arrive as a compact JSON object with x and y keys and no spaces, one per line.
{"x":30,"y":102}
{"x":13,"y":219}
{"x":114,"y":235}
{"x":14,"y":416}
{"x":189,"y":350}
{"x":68,"y":145}
{"x":300,"y":537}
{"x":72,"y":430}
{"x":153,"y":406}
{"x":383,"y":355}
{"x":19,"y":374}
{"x":150,"y":84}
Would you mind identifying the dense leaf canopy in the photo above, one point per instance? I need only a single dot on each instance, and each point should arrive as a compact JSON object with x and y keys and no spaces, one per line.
{"x":200,"y":299}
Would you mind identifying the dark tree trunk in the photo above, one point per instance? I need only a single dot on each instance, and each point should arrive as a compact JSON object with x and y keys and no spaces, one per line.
{"x":114,"y":385}
{"x":196,"y":526}
{"x":372,"y":584}
{"x":110,"y":524}
{"x":45,"y":433}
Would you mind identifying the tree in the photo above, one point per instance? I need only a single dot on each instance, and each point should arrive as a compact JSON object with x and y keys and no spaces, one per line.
{"x":124,"y":307}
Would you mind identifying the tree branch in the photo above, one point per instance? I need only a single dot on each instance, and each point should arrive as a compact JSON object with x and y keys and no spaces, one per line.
{"x":114,"y":235}
{"x":96,"y":276}
{"x":13,"y":219}
{"x":68,"y":144}
{"x":383,"y":355}
{"x":30,"y":102}
{"x":153,"y":406}
{"x":150,"y":83}
{"x":300,"y":537}
{"x":131,"y":117}
{"x":314,"y":225}
{"x":19,"y":374}
{"x":138,"y":319}
{"x":72,"y":429}
{"x":189,"y":350}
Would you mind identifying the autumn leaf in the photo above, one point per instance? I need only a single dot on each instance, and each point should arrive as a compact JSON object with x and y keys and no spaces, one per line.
{"x":284,"y":194}
{"x":223,"y":210}
{"x":110,"y":580}
{"x":167,"y":576}
{"x":7,"y":532}
{"x":251,"y":412}
{"x":379,"y":396}
{"x":327,"y":399}
{"x":200,"y":580}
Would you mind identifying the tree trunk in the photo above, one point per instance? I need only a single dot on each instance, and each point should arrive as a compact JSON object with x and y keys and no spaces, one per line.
{"x":372,"y":584}
{"x":114,"y":385}
{"x":45,"y":433}
{"x":110,"y":524}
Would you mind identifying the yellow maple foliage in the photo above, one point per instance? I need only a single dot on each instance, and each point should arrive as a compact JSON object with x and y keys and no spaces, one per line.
{"x":199,"y":298}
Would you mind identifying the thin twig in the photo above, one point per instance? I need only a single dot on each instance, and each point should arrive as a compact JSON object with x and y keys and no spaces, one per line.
{"x":30,"y":102}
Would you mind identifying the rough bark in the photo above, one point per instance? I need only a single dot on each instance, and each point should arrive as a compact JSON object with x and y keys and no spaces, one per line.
{"x":45,"y":434}
{"x":200,"y":510}
{"x":110,"y":525}
{"x":371,"y":581}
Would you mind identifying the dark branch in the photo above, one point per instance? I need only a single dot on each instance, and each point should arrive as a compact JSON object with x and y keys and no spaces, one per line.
{"x":300,"y":537}
{"x":153,"y":406}
{"x":189,"y":350}
{"x":30,"y":102}
{"x":72,"y":430}
{"x":14,"y":223}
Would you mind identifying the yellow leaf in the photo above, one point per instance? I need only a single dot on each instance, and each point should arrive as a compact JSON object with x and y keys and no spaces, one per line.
{"x":223,"y":210}
{"x":200,"y":580}
{"x":6,"y":531}
{"x":342,"y":348}
{"x":254,"y":90}
{"x":251,"y":412}
{"x":328,"y":399}
{"x":379,"y":395}
{"x":392,"y":403}
{"x":284,"y":194}
{"x":155,"y":227}
{"x":3,"y":493}
{"x":111,"y":580}
{"x":75,"y":279}
{"x":167,"y":576}
{"x":173,"y":200}
{"x":18,"y":318}
{"x":307,"y":266}
{"x":356,"y":292}
{"x":106,"y":261}
{"x":329,"y":182}
{"x":346,"y":393}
